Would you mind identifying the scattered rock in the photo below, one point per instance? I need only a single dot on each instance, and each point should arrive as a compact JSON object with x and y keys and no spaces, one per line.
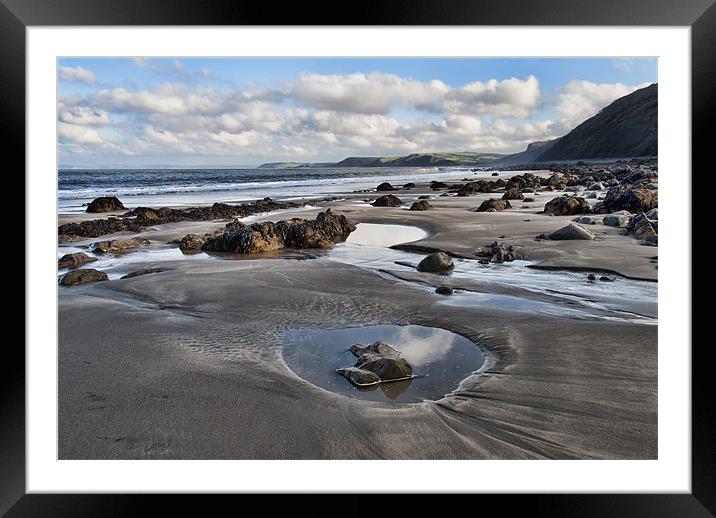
{"x":117,"y":245}
{"x":435,"y":262}
{"x":444,"y":290}
{"x":360,"y":377}
{"x":528,"y":200}
{"x":571,"y":232}
{"x":567,"y":206}
{"x":591,"y":277}
{"x":606,"y":279}
{"x":74,"y":260}
{"x":192,"y":242}
{"x":617,"y":219}
{"x":589,"y":220}
{"x":498,"y":253}
{"x":82,"y":276}
{"x":387,"y":201}
{"x":377,"y":362}
{"x":408,"y":185}
{"x":495,"y":174}
{"x":435,"y":185}
{"x":493,"y":205}
{"x":512,"y":194}
{"x":421,"y":205}
{"x":598,"y":186}
{"x":105,"y":204}
{"x":385,"y":186}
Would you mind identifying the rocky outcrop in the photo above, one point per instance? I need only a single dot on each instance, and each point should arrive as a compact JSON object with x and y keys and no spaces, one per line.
{"x":138,"y":219}
{"x":493,"y":203}
{"x":74,"y":260}
{"x":377,"y":363}
{"x":385,"y":186}
{"x":117,"y":245}
{"x":421,"y":205}
{"x":645,"y":226}
{"x":436,"y":262}
{"x":82,"y":276}
{"x":387,"y":201}
{"x":571,"y":232}
{"x":297,"y":233}
{"x":105,"y":204}
{"x":567,"y":206}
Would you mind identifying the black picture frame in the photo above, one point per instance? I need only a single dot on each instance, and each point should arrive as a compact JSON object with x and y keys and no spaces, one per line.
{"x":700,"y":15}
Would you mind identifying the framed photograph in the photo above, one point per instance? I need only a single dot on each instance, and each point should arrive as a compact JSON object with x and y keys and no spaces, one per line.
{"x":290,"y":255}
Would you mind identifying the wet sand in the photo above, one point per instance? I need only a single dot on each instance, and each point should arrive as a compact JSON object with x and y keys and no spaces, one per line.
{"x":187,"y":363}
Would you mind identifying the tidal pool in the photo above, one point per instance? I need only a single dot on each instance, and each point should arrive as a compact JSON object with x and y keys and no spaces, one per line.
{"x":440,"y":360}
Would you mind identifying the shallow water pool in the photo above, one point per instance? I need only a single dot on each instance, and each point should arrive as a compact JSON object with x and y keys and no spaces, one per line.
{"x":440,"y":360}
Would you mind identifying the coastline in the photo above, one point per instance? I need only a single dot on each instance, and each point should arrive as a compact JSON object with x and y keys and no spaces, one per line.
{"x":187,"y":363}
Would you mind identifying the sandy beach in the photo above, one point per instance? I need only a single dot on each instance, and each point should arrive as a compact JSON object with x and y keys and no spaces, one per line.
{"x":189,"y":362}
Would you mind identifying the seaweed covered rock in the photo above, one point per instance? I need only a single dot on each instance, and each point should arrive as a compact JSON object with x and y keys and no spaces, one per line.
{"x":105,"y":204}
{"x":117,"y":245}
{"x":629,"y":199}
{"x":74,"y":260}
{"x":512,"y":194}
{"x":297,"y":233}
{"x":82,"y":276}
{"x":567,"y":206}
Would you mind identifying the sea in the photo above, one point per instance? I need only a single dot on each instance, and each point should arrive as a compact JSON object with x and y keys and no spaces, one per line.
{"x":188,"y":187}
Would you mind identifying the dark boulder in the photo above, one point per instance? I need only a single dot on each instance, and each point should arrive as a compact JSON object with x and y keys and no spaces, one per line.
{"x":105,"y":204}
{"x":512,"y":194}
{"x":435,"y":262}
{"x":444,"y":290}
{"x":632,"y":200}
{"x":385,"y":186}
{"x":387,"y":201}
{"x":421,"y":205}
{"x":82,"y":276}
{"x":495,"y":204}
{"x":567,"y":206}
{"x":74,"y":260}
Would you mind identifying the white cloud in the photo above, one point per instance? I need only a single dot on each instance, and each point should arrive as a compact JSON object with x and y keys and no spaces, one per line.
{"x":76,"y":75}
{"x":78,"y":134}
{"x":579,"y":100}
{"x":363,"y":93}
{"x":509,"y":98}
{"x":82,"y":115}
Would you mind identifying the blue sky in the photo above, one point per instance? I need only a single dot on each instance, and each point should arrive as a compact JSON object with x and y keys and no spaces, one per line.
{"x":139,"y":112}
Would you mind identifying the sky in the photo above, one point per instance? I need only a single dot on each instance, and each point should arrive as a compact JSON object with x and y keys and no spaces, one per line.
{"x":232,"y":112}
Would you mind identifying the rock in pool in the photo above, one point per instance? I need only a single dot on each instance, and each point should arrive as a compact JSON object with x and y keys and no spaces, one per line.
{"x":105,"y":204}
{"x":444,"y":290}
{"x":571,"y":232}
{"x":421,"y":205}
{"x":117,"y":245}
{"x":385,"y":186}
{"x":387,"y":201}
{"x":82,"y":276}
{"x":74,"y":260}
{"x":377,"y":362}
{"x":435,"y":262}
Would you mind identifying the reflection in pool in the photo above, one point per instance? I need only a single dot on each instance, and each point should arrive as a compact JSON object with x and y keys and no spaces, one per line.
{"x":440,"y":360}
